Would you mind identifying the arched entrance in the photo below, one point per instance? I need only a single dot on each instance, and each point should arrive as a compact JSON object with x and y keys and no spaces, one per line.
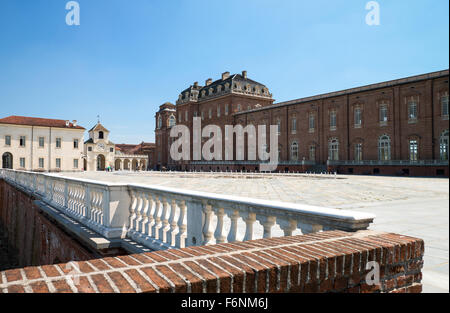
{"x":135,"y":165}
{"x":7,"y":160}
{"x":100,"y":162}
{"x":126,"y":164}
{"x":118,"y":164}
{"x":143,"y":167}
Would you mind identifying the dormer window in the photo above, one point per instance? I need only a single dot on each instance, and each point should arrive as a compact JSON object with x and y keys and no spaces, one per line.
{"x":100,"y":135}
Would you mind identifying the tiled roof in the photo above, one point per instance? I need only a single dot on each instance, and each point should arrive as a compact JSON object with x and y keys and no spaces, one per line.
{"x":36,"y":121}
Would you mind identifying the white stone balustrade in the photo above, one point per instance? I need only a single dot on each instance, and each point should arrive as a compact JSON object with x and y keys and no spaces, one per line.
{"x":161,"y":218}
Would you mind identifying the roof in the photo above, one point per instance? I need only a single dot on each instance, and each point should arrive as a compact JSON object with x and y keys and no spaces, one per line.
{"x":37,"y":121}
{"x":90,"y":140}
{"x":406,"y":80}
{"x":98,"y":126}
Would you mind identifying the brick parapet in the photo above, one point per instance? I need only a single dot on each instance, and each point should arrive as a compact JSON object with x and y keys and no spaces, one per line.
{"x":322,"y":262}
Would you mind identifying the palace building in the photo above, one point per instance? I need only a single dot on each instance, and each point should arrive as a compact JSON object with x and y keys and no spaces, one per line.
{"x":398,"y":127}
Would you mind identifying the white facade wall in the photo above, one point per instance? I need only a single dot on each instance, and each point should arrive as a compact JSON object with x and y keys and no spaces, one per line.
{"x":32,"y":151}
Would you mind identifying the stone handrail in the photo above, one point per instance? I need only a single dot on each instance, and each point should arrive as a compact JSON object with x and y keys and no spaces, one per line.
{"x":161,"y":217}
{"x":389,"y":162}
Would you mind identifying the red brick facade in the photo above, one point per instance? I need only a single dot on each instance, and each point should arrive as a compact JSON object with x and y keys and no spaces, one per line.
{"x":410,"y":114}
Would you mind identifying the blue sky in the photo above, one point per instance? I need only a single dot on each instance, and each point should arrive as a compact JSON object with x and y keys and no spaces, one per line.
{"x":128,"y":57}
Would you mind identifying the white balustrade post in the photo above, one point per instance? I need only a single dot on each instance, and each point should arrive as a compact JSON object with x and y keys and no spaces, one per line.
{"x":158,"y":224}
{"x":87,"y":203}
{"x":165,"y":221}
{"x":145,"y":213}
{"x":180,"y":238}
{"x":206,"y":221}
{"x":173,"y":226}
{"x":218,"y":234}
{"x":232,"y":235}
{"x":268,"y":223}
{"x":151,"y":215}
{"x":249,"y":223}
{"x":288,"y":226}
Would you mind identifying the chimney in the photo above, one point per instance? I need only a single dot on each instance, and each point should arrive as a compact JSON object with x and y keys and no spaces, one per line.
{"x":208,"y":82}
{"x":244,"y":74}
{"x":225,"y":75}
{"x":67,"y":123}
{"x":75,"y":123}
{"x":196,"y":84}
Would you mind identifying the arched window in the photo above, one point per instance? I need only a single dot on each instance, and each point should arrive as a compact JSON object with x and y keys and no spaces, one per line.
{"x":413,"y":150}
{"x":333,"y":149}
{"x":294,"y":151}
{"x":443,"y":146}
{"x":294,"y":125}
{"x":172,"y":121}
{"x":100,"y":135}
{"x":159,"y":121}
{"x":384,"y":148}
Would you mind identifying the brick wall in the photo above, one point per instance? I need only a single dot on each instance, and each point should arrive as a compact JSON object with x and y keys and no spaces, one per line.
{"x":322,"y":262}
{"x":33,"y":238}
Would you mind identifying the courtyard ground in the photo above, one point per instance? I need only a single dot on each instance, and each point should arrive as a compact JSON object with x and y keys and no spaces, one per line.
{"x":416,"y":207}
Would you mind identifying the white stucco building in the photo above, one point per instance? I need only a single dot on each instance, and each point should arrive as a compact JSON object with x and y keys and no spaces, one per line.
{"x":41,"y":144}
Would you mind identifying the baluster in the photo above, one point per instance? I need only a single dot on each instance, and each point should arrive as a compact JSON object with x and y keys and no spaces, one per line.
{"x":232,"y":235}
{"x":173,"y":229}
{"x":207,"y":227}
{"x":165,"y":221}
{"x":249,"y":223}
{"x":268,"y":223}
{"x":87,"y":203}
{"x":132,"y":209}
{"x":151,"y":216}
{"x":180,"y":238}
{"x":218,"y":234}
{"x":158,"y":212}
{"x":144,"y":220}
{"x":288,"y":226}
{"x":138,"y":211}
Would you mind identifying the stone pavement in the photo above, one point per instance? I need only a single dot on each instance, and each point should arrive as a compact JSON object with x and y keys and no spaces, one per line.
{"x":417,"y":207}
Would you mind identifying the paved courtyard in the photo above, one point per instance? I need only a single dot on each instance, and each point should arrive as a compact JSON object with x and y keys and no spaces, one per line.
{"x":417,"y":207}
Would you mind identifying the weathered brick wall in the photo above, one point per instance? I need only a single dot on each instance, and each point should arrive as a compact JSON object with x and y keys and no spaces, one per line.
{"x":321,"y":262}
{"x":35,"y":239}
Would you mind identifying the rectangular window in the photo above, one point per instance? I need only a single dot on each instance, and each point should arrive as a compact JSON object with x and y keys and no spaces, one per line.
{"x":179,"y":117}
{"x":75,"y":143}
{"x":58,"y":163}
{"x":383,"y":114}
{"x":7,"y":140}
{"x":312,"y":122}
{"x":210,"y":113}
{"x":111,"y":149}
{"x":41,"y":142}
{"x":444,"y":106}
{"x":413,"y":150}
{"x":22,"y":141}
{"x":312,"y":153}
{"x":75,"y":163}
{"x":333,"y":120}
{"x":89,"y":148}
{"x":358,"y":152}
{"x":294,"y":126}
{"x":41,"y":162}
{"x":22,"y":162}
{"x":226,"y":109}
{"x":412,"y":110}
{"x":358,"y":120}
{"x":186,"y":116}
{"x":203,"y":115}
{"x":58,"y":142}
{"x":218,"y":111}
